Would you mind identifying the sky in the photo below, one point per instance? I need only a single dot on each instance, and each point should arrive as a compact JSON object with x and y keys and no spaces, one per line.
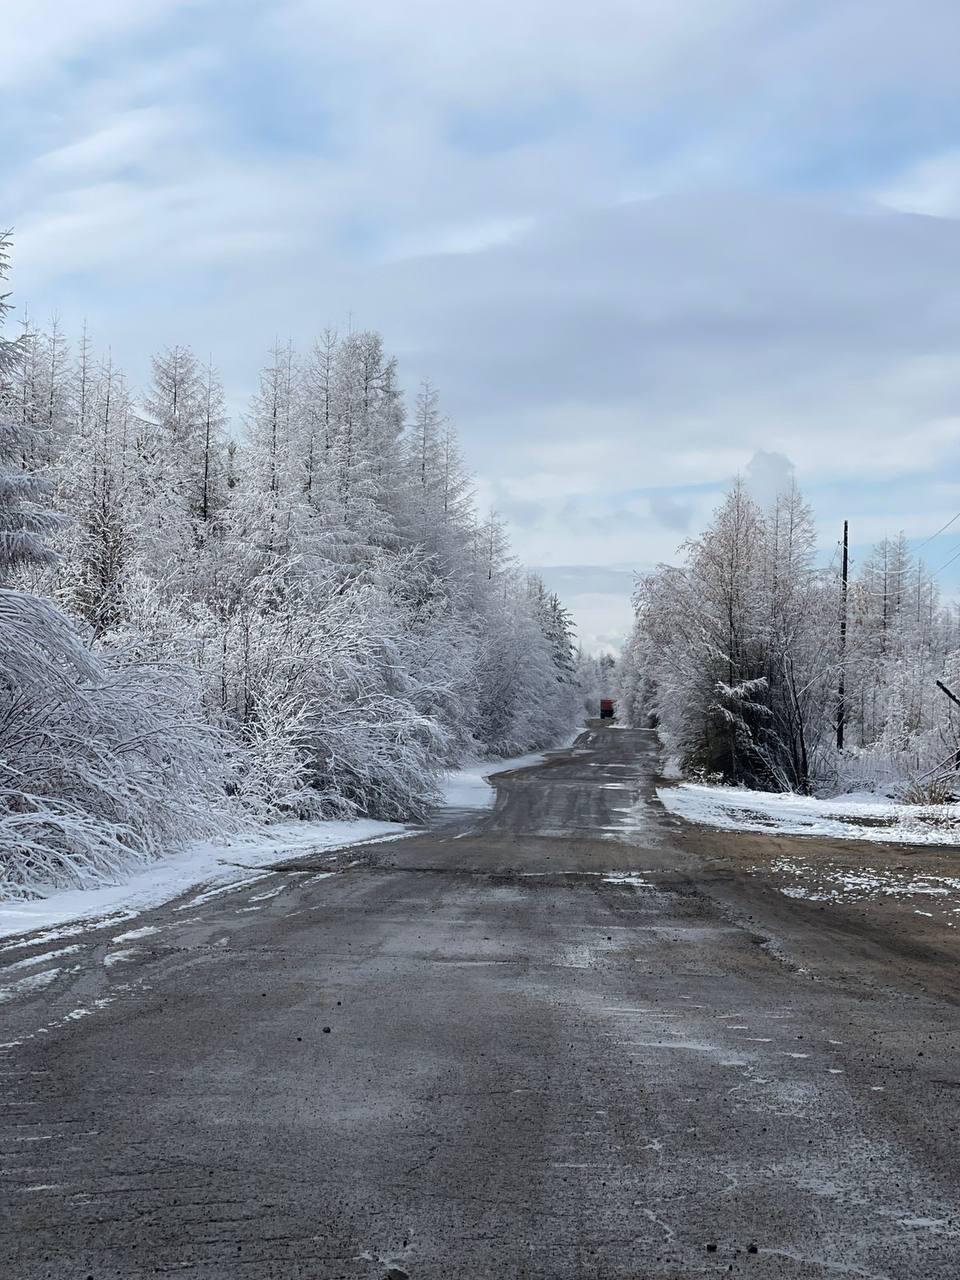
{"x":641,"y":246}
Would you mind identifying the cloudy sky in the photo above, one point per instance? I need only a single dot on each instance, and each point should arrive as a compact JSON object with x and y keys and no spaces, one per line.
{"x":640,"y":245}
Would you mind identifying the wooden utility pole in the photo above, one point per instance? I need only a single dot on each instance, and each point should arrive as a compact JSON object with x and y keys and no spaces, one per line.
{"x":953,"y":698}
{"x":841,"y":686}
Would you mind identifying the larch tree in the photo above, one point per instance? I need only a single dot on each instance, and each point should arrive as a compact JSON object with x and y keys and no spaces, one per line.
{"x":308,"y":619}
{"x":102,"y":760}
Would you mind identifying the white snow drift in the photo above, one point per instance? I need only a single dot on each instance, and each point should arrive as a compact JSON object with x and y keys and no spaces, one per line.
{"x":852,"y":817}
{"x":212,"y":865}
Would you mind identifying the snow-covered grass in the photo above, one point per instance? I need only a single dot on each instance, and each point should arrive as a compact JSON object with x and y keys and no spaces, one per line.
{"x":852,"y":817}
{"x":213,"y":865}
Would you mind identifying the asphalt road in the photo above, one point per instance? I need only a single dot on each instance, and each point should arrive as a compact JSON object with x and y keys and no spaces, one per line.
{"x":558,"y":1039}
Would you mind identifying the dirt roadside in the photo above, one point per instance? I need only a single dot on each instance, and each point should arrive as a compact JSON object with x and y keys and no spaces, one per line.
{"x":878,"y":914}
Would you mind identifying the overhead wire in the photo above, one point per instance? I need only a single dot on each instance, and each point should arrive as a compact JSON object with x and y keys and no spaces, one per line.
{"x":892,"y":574}
{"x":947,"y":563}
{"x":951,"y":521}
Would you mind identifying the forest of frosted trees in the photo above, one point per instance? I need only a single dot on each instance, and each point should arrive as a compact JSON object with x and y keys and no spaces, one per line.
{"x":737,"y":657}
{"x":204,"y":623}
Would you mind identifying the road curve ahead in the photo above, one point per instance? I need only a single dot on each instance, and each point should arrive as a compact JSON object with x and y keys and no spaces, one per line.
{"x":556,"y":1040}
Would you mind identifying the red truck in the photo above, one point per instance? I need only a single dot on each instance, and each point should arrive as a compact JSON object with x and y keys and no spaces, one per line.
{"x":606,"y":708}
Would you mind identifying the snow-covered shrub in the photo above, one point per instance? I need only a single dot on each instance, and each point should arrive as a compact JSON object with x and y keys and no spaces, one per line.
{"x":102,"y":763}
{"x":341,"y":700}
{"x":939,"y":790}
{"x":308,"y":680}
{"x":101,"y":760}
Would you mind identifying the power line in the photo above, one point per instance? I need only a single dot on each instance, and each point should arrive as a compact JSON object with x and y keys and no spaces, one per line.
{"x":890,"y":576}
{"x":841,"y":690}
{"x":947,"y":563}
{"x":909,"y":569}
{"x":956,"y":554}
{"x":940,"y":530}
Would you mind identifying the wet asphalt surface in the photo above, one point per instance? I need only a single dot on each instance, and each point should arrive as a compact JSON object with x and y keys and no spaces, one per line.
{"x":555,"y":1039}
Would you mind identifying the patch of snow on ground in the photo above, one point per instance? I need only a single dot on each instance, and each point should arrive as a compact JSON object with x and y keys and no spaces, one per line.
{"x":31,"y":962}
{"x":845,"y":818}
{"x":829,"y":883}
{"x":35,"y":982}
{"x":206,"y":863}
{"x":470,"y":788}
{"x":136,"y":933}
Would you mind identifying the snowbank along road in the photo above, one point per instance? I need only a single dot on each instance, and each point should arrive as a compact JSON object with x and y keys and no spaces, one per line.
{"x":568,"y":1037}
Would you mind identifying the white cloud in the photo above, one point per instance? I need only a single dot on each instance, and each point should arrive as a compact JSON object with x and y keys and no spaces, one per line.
{"x":471,"y":237}
{"x":603,"y":620}
{"x":40,"y":36}
{"x":930,"y":186}
{"x":726,"y":54}
{"x":612,"y":363}
{"x":768,"y":475}
{"x":600,"y":600}
{"x":127,"y":138}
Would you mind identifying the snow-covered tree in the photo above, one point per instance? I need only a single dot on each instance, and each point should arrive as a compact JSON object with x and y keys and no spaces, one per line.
{"x":735,"y":656}
{"x":308,"y":619}
{"x":100,"y":761}
{"x":595,"y":677}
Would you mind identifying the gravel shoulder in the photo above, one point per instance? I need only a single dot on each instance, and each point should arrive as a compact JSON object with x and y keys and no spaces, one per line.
{"x":890,"y":911}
